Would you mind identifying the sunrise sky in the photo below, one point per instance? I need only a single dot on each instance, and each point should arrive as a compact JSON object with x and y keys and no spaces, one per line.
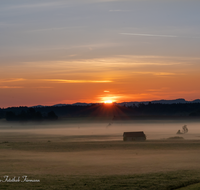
{"x":67,"y":51}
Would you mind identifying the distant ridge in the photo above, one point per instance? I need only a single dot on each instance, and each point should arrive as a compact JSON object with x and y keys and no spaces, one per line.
{"x":60,"y":105}
{"x":196,"y":101}
{"x":38,"y":106}
{"x":82,"y":104}
{"x":176,"y":101}
{"x":75,"y":104}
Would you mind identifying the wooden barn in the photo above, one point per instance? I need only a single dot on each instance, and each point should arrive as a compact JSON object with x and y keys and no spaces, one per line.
{"x":134,"y":136}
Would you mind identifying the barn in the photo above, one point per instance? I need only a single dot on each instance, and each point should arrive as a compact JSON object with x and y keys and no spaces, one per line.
{"x":134,"y":136}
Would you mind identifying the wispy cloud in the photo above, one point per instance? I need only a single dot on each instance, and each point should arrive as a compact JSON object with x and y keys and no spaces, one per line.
{"x":158,"y":90}
{"x":159,"y":35}
{"x":43,"y":87}
{"x":156,"y":73}
{"x":77,"y":81}
{"x":12,"y":80}
{"x":54,"y":29}
{"x":120,"y":63}
{"x":32,"y":5}
{"x":164,"y":74}
{"x":50,"y":4}
{"x":150,"y":35}
{"x":5,"y":87}
{"x":5,"y":83}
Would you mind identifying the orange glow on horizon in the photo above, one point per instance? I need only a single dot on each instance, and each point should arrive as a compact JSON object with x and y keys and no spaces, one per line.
{"x":108,"y":102}
{"x":50,"y":87}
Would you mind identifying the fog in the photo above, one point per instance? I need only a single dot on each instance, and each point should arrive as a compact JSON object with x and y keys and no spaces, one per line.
{"x":105,"y":131}
{"x":89,"y":148}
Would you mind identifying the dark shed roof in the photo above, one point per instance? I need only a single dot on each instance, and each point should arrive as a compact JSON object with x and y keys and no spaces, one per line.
{"x":134,"y":134}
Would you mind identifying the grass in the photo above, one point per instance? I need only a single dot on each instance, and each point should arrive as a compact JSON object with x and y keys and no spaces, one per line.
{"x":175,"y":138}
{"x":183,"y":180}
{"x":191,"y":187}
{"x":43,"y":144}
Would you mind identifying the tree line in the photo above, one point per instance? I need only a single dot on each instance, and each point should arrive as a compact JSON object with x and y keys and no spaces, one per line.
{"x":30,"y":115}
{"x":96,"y":110}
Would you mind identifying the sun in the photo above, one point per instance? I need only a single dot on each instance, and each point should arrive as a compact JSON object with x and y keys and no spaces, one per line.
{"x":108,"y":102}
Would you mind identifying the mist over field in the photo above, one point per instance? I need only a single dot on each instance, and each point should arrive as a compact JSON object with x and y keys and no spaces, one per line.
{"x":71,"y":152}
{"x":105,"y":131}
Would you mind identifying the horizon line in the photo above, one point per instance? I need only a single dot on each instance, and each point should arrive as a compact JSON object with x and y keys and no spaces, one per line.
{"x":146,"y":101}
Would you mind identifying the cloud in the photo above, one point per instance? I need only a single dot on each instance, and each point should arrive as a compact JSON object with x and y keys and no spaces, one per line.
{"x":158,"y":90}
{"x":43,"y":87}
{"x":164,"y":74}
{"x":150,"y":35}
{"x":113,"y":66}
{"x":12,"y":80}
{"x":32,"y":5}
{"x":5,"y":87}
{"x":156,"y":73}
{"x":77,"y":81}
{"x":55,"y":29}
{"x":106,"y":91}
{"x":50,"y":4}
{"x":159,"y":35}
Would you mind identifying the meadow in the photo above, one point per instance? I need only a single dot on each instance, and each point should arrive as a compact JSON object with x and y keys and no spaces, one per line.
{"x":89,"y":155}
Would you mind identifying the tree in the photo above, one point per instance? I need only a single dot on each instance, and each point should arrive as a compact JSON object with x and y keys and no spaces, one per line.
{"x":38,"y":116}
{"x":11,"y":116}
{"x":22,"y":116}
{"x":52,"y":116}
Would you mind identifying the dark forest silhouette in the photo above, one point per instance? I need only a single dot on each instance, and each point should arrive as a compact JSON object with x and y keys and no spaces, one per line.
{"x":151,"y":110}
{"x":30,"y":115}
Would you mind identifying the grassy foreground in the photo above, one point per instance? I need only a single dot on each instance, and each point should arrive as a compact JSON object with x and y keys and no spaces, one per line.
{"x":183,"y":180}
{"x":155,"y":181}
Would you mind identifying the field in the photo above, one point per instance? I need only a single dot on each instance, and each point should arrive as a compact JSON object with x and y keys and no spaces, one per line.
{"x":75,"y":156}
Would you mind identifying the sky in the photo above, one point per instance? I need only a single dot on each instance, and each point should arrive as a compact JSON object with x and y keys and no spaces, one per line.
{"x":68,"y":51}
